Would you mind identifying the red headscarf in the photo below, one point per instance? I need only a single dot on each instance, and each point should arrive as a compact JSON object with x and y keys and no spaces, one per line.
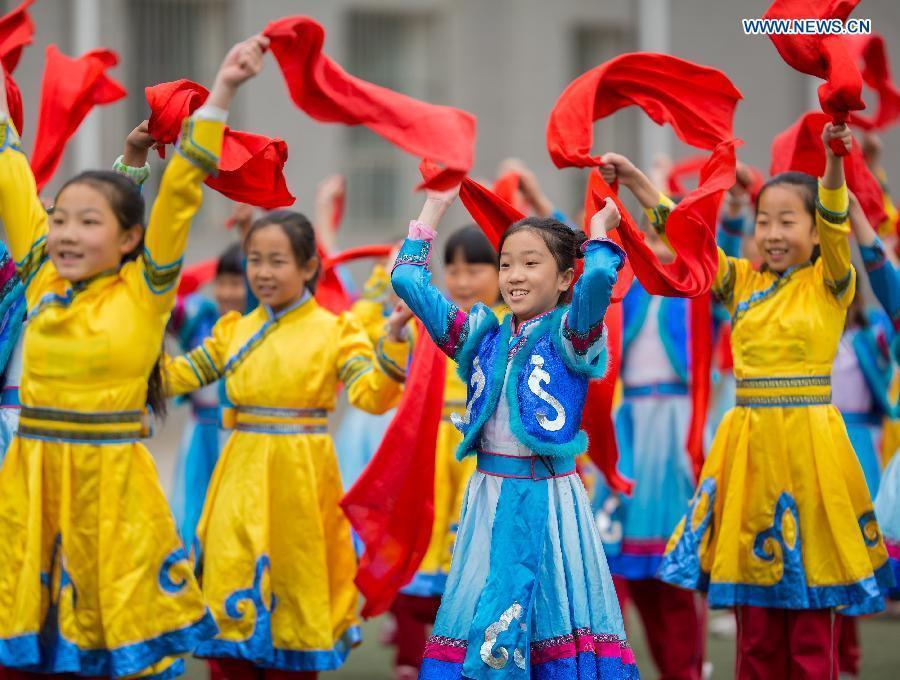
{"x":251,"y":167}
{"x":822,"y":55}
{"x":326,"y":92}
{"x":800,"y":148}
{"x":391,"y":506}
{"x":70,"y":89}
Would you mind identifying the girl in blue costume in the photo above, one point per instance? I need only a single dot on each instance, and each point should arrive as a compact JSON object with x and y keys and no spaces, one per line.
{"x":529,"y":594}
{"x":883,"y":277}
{"x":12,"y":321}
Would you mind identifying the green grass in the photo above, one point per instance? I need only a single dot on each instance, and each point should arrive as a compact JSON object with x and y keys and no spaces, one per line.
{"x":880,"y":640}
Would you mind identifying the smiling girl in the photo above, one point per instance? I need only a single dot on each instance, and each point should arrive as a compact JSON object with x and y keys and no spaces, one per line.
{"x":272,"y":546}
{"x":529,"y":592}
{"x":781,"y":524}
{"x":96,"y":581}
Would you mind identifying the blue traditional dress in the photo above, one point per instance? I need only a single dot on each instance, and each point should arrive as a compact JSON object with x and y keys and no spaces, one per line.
{"x":529,"y":594}
{"x":12,"y":323}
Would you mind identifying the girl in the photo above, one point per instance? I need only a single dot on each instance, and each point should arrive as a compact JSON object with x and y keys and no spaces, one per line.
{"x":529,"y":592}
{"x":272,"y":546}
{"x":470,"y":277}
{"x":96,"y":581}
{"x":192,"y":319}
{"x":781,"y":525}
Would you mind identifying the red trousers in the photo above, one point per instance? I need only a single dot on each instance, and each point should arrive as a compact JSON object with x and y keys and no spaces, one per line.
{"x":849,"y":651}
{"x":413,"y":615}
{"x":674,"y":622}
{"x":786,"y":644}
{"x":237,"y":669}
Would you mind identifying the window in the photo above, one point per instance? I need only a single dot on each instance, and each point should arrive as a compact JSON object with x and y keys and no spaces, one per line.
{"x":393,"y":50}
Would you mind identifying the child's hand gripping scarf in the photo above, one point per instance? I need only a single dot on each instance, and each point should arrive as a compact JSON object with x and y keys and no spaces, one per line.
{"x":69,"y":90}
{"x":391,"y":506}
{"x":251,"y":166}
{"x":800,"y":148}
{"x":699,"y":103}
{"x":825,"y":56}
{"x":327,"y":93}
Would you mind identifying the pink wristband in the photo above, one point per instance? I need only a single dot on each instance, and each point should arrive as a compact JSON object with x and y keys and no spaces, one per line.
{"x":419,"y":231}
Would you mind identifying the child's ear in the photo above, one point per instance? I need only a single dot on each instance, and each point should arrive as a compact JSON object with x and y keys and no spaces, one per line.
{"x":130,"y":238}
{"x":566,"y":279}
{"x":815,"y":235}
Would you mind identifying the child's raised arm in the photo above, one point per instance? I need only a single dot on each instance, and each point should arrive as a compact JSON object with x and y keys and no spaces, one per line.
{"x":832,"y":204}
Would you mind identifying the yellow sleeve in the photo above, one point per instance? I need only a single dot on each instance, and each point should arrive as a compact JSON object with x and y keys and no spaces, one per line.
{"x":205,"y":363}
{"x":176,"y":204}
{"x":834,"y":232}
{"x":889,"y":226}
{"x":373,"y":378}
{"x":659,"y":213}
{"x":21,"y":211}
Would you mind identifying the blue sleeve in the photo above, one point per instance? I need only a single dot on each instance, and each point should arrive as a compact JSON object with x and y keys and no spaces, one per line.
{"x":582,"y":329}
{"x":446,"y":323}
{"x":883,"y":278}
{"x":731,"y":231}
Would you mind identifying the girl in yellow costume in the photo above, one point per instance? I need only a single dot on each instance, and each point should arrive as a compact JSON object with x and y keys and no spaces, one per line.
{"x":95,"y":580}
{"x":781,"y":525}
{"x":273,"y":547}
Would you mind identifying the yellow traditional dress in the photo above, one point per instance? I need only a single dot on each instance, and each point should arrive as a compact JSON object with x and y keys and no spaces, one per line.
{"x":273,"y":547}
{"x":94,"y":578}
{"x":782,"y":516}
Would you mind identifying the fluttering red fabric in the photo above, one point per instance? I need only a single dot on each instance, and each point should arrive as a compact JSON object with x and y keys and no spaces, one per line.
{"x":16,"y":32}
{"x":870,"y":52}
{"x":689,"y":167}
{"x":378,"y":250}
{"x":699,"y":103}
{"x":70,"y":89}
{"x":800,"y":148}
{"x":195,"y":276}
{"x":251,"y":167}
{"x":822,"y":55}
{"x":325,"y":91}
{"x":391,"y":505}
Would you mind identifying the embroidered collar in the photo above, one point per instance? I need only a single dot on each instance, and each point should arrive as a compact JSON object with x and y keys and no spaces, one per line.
{"x":279,"y":315}
{"x":524,"y":327}
{"x":762,"y":295}
{"x":79,"y":286}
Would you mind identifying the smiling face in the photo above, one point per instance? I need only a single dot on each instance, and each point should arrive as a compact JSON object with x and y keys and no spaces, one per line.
{"x":275,"y":276}
{"x":785,"y":232}
{"x":85,"y":238}
{"x":468,"y":283}
{"x":530,"y":280}
{"x":230,"y":292}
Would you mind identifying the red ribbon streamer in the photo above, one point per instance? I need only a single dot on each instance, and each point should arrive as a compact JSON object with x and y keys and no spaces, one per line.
{"x":699,"y":102}
{"x":16,"y":32}
{"x":800,"y":148}
{"x":822,"y":55}
{"x":327,"y":93}
{"x":391,"y":506}
{"x":870,"y":51}
{"x":377,"y":250}
{"x":69,"y":90}
{"x":251,"y":167}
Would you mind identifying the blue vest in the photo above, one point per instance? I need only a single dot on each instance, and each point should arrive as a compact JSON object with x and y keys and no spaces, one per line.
{"x":672,"y":321}
{"x":545,"y":390}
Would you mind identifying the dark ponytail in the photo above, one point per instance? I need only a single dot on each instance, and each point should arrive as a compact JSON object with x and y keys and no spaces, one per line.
{"x":127,"y":203}
{"x":563,"y":242}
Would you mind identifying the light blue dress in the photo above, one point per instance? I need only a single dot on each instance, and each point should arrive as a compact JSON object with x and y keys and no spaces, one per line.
{"x":529,"y":594}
